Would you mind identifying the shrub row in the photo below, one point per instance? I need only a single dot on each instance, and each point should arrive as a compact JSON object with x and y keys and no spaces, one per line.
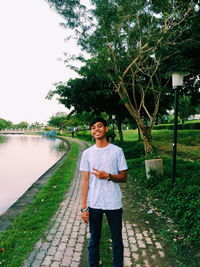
{"x":132,"y":149}
{"x":186,"y":126}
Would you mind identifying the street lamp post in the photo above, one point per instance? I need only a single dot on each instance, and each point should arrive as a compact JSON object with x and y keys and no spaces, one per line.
{"x":177,"y":82}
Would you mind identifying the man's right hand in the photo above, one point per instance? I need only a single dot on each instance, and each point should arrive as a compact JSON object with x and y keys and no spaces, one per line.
{"x":85,"y":216}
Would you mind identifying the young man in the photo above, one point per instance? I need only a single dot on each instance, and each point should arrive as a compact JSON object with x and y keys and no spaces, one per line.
{"x":103,"y":166}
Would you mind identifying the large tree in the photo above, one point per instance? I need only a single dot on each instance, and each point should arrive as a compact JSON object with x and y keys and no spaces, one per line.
{"x":5,"y":124}
{"x":136,"y":43}
{"x":22,"y":125}
{"x":92,"y":92}
{"x":185,"y":109}
{"x":58,"y":120}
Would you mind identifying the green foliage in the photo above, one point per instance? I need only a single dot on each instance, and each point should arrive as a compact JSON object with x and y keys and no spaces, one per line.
{"x":22,"y":125}
{"x":59,"y":120}
{"x":131,"y":135}
{"x":84,"y":135}
{"x":180,"y":203}
{"x":92,"y":93}
{"x":185,"y":137}
{"x":185,"y":108}
{"x":2,"y":124}
{"x":18,"y":241}
{"x":133,"y":44}
{"x":37,"y":125}
{"x":70,"y":121}
{"x":72,"y":11}
{"x":80,"y":120}
{"x":5,"y":124}
{"x":190,"y":125}
{"x":132,"y":150}
{"x":171,"y":119}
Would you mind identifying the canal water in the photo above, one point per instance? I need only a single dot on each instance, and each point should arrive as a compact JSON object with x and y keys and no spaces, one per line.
{"x":23,"y":159}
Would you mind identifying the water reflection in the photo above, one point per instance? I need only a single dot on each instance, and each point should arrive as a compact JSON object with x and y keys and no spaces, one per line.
{"x":3,"y":138}
{"x":23,"y":159}
{"x":58,"y":146}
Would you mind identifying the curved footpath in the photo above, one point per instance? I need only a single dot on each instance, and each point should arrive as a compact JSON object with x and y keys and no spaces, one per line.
{"x":63,"y":244}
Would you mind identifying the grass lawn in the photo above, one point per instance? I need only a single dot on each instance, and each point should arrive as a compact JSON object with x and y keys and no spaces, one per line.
{"x":27,"y":228}
{"x":188,"y":142}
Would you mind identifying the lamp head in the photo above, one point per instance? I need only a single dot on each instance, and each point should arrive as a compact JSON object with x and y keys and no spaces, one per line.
{"x":177,"y":78}
{"x":113,"y":117}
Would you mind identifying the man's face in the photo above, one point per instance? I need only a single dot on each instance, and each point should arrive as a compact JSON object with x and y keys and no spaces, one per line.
{"x":99,"y":130}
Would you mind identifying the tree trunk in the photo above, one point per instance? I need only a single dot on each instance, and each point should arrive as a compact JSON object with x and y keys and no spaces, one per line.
{"x":119,"y":127}
{"x":139,"y":134}
{"x":146,"y":132}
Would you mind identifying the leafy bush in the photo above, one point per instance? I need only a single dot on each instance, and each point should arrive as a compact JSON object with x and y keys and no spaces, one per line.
{"x":171,"y":119}
{"x":163,"y":127}
{"x":84,"y":135}
{"x":131,"y":149}
{"x":189,"y":125}
{"x":181,"y":203}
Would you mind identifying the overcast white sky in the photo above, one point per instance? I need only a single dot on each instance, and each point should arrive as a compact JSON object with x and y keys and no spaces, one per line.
{"x":31,"y":41}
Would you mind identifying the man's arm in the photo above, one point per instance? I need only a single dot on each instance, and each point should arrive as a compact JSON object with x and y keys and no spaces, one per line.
{"x":84,"y":195}
{"x":121,"y":177}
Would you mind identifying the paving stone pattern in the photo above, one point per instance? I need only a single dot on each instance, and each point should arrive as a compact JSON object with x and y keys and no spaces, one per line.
{"x":141,"y":247}
{"x":63,"y":244}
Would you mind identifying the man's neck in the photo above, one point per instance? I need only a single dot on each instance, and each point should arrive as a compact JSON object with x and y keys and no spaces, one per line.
{"x":100,"y":143}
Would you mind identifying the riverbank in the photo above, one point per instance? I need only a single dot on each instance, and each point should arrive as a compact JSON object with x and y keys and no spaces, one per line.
{"x":25,"y":158}
{"x":26,"y":199}
{"x":18,"y":240}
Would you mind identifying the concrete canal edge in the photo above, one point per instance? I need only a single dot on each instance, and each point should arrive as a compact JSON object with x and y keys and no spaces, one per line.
{"x":7,"y":217}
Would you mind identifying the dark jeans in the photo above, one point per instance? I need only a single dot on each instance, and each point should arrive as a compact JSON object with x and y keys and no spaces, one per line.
{"x":114,"y":218}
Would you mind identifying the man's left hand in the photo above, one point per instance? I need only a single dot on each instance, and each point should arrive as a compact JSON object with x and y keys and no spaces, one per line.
{"x":100,"y":174}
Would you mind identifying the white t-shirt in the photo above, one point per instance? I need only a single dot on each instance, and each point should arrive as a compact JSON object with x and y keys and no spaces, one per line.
{"x":103,"y":194}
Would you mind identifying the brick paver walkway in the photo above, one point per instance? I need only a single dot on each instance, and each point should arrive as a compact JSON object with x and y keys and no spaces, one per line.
{"x":141,"y":247}
{"x":62,"y":246}
{"x":63,"y":243}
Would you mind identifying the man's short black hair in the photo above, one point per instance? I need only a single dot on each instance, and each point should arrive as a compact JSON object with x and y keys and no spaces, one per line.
{"x":98,"y":119}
